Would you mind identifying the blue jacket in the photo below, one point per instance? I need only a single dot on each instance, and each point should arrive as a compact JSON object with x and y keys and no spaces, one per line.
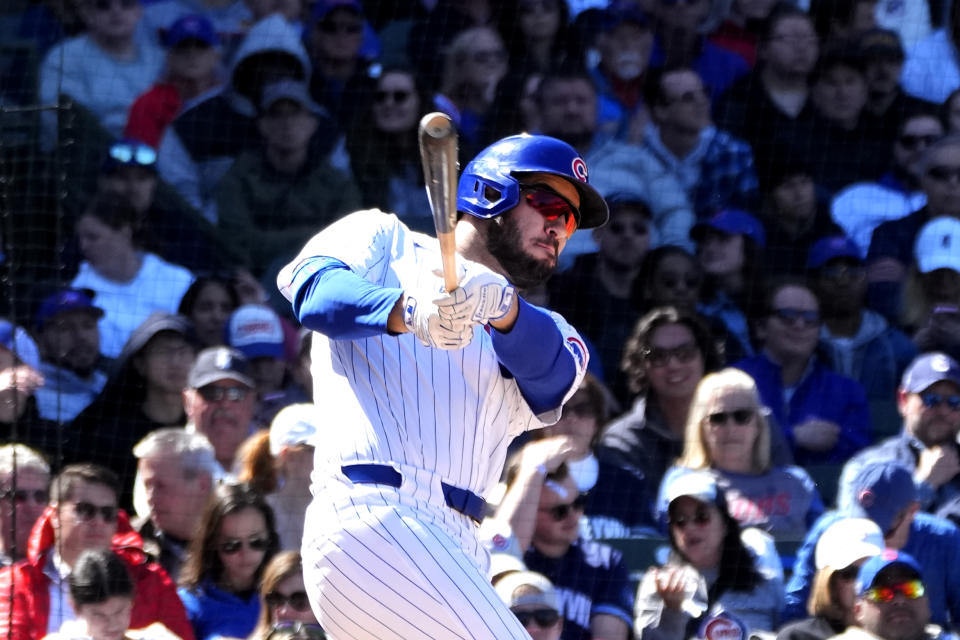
{"x":934,"y":542}
{"x":820,"y":394}
{"x":214,"y":612}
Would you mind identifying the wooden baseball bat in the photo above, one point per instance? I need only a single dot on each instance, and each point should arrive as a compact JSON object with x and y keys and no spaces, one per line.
{"x":438,"y":152}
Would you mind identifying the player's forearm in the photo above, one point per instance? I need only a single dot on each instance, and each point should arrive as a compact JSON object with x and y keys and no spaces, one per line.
{"x":533,"y":352}
{"x":338,"y":303}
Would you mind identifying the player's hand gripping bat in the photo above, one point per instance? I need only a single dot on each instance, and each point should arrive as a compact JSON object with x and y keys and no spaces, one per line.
{"x":438,"y":151}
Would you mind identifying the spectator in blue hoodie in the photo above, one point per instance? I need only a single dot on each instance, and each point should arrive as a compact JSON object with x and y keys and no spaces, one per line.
{"x":824,"y":415}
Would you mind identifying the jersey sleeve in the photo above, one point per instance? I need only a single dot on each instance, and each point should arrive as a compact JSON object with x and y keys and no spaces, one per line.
{"x":546,"y":357}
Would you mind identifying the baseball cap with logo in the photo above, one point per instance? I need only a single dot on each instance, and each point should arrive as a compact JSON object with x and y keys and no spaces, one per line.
{"x":928,"y":369}
{"x":219,"y":363}
{"x":847,"y":541}
{"x":881,"y":490}
{"x":883,"y":560}
{"x":826,"y":249}
{"x":522,"y":588}
{"x":255,"y":331}
{"x":63,"y":301}
{"x":938,"y":245}
{"x":193,"y":26}
{"x":731,"y":222}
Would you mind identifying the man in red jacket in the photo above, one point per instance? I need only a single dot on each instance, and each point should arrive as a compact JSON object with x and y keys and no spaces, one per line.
{"x":82,"y":515}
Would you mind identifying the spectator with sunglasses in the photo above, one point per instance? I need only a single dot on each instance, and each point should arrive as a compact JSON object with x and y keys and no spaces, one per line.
{"x":928,"y":400}
{"x":856,"y":341}
{"x":885,"y":493}
{"x":664,"y":359}
{"x":24,"y":492}
{"x":82,"y":515}
{"x":892,"y":601}
{"x":112,"y":47}
{"x":841,"y":551}
{"x":544,"y":506}
{"x":893,"y":243}
{"x":384,"y":150}
{"x":533,"y":599}
{"x":729,"y":435}
{"x":220,"y":400}
{"x":863,"y":206}
{"x":823,"y":415}
{"x":710,"y":568}
{"x":283,"y":597}
{"x":595,"y":293}
{"x":220,"y":580}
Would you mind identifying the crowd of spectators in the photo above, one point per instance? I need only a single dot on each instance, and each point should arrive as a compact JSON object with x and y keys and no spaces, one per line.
{"x":773,"y":309}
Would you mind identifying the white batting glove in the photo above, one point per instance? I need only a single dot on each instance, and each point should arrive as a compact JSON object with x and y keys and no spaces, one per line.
{"x":480,"y":297}
{"x":421,"y":317}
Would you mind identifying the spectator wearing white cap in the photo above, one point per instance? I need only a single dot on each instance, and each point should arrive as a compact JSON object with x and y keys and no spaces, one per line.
{"x":278,"y":463}
{"x":841,"y":551}
{"x":928,"y":400}
{"x":176,"y":474}
{"x":533,"y":599}
{"x":931,"y":297}
{"x":256,"y":331}
{"x":885,"y":493}
{"x":709,"y":564}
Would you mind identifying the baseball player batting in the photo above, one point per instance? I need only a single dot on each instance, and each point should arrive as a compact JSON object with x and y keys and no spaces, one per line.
{"x":425,"y":389}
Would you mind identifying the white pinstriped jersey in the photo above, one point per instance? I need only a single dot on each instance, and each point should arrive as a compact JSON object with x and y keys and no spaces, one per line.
{"x":392,"y":400}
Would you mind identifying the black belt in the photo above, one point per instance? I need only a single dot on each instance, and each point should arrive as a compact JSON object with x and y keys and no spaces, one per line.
{"x":466,"y":502}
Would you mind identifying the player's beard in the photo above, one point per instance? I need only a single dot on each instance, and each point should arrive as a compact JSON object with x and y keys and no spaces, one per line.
{"x":503,"y":243}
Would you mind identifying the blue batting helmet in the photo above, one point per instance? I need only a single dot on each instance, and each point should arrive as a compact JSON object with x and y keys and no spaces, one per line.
{"x":489,"y":185}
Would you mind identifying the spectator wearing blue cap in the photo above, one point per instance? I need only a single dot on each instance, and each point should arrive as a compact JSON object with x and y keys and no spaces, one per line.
{"x":192,"y":70}
{"x":274,"y":196}
{"x":715,"y":168}
{"x":711,"y":566}
{"x":105,"y":69}
{"x":823,"y":415}
{"x":855,"y":341}
{"x":929,"y":402}
{"x":886,"y":495}
{"x":863,"y":206}
{"x":892,"y":602}
{"x":69,"y":339}
{"x":729,"y":248}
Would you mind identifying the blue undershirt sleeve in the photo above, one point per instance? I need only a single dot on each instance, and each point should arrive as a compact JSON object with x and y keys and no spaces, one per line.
{"x":335,"y":301}
{"x":534,"y":354}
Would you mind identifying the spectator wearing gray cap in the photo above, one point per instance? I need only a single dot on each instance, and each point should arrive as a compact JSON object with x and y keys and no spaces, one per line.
{"x":885,"y":494}
{"x":144,"y":394}
{"x":533,"y":599}
{"x":220,"y":399}
{"x":929,"y":402}
{"x":274,"y":196}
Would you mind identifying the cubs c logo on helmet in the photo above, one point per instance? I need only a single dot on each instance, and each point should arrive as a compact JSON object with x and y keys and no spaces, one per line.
{"x":579,"y":168}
